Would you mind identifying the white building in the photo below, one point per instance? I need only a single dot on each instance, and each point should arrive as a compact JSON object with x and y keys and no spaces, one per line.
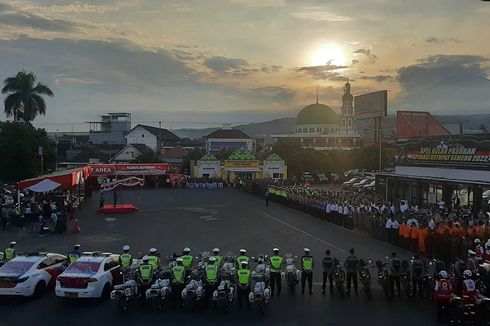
{"x":228,"y":138}
{"x":154,"y":138}
{"x":130,"y":153}
{"x":319,"y":127}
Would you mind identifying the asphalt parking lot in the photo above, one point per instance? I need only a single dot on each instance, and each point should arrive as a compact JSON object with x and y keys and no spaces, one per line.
{"x":203,"y":219}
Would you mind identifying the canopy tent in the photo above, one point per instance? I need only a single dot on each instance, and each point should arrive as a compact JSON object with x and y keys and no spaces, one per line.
{"x":67,"y":179}
{"x":44,"y":186}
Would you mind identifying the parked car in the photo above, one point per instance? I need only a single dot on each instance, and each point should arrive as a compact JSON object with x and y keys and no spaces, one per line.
{"x":92,"y":276}
{"x":361,"y":183}
{"x":322,"y":178}
{"x":308,"y":177}
{"x":351,"y":182}
{"x":369,"y":186}
{"x":334,"y":177}
{"x":31,"y":275}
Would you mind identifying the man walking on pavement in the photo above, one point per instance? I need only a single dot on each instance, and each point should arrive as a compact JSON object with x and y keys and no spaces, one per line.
{"x":276,"y":262}
{"x":306,"y":271}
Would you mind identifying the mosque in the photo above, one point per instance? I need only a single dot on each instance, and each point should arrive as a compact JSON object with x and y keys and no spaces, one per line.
{"x":319,"y":127}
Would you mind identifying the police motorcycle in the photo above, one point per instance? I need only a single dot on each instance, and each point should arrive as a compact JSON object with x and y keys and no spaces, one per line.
{"x":160,"y":292}
{"x":365,"y":277}
{"x":291,"y":273}
{"x":225,"y":293}
{"x":405,"y":278}
{"x":339,"y":279}
{"x":261,"y":291}
{"x":129,"y":289}
{"x":193,"y":292}
{"x":383,"y":278}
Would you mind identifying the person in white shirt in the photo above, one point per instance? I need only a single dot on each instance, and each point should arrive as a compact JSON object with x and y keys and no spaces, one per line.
{"x":432,"y":224}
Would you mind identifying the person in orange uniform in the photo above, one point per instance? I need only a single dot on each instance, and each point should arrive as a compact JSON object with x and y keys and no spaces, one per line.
{"x":421,"y":240}
{"x":401,"y":232}
{"x":414,"y":238}
{"x":406,"y":237}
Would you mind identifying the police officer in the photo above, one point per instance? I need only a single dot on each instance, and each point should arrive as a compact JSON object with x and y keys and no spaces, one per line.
{"x":216,"y":255}
{"x":306,"y":271}
{"x":74,"y":254}
{"x":187,"y":258}
{"x":9,"y":252}
{"x":242,"y":257}
{"x":125,"y":259}
{"x":178,"y":281}
{"x":276,"y":262}
{"x":210,"y":277}
{"x":243,"y":289}
{"x":352,"y":266}
{"x":417,"y":270}
{"x":328,"y":264}
{"x":154,"y":258}
{"x":145,"y":272}
{"x":394,"y":273}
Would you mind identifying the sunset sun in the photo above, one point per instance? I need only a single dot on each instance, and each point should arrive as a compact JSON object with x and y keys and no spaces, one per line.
{"x":328,"y":53}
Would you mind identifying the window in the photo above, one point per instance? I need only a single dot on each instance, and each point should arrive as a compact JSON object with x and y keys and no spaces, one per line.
{"x":318,"y":129}
{"x":305,"y":129}
{"x":312,"y":129}
{"x":142,"y":135}
{"x":332,"y":130}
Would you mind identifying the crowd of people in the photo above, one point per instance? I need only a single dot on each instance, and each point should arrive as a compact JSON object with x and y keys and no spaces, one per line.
{"x":204,"y":183}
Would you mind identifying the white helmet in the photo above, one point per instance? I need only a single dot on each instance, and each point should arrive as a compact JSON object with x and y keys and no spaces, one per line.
{"x":306,"y":250}
{"x":477,"y":240}
{"x":216,"y":250}
{"x":126,"y":248}
{"x":212,"y":259}
{"x":187,"y":249}
{"x":153,"y":250}
{"x":13,"y":243}
{"x":243,"y":251}
{"x":467,"y":273}
{"x":487,"y":245}
{"x":471,"y":252}
{"x":275,"y":249}
{"x":146,"y":258}
{"x":443,"y":274}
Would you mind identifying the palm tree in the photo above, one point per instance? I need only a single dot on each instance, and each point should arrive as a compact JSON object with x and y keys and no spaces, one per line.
{"x":24,"y":100}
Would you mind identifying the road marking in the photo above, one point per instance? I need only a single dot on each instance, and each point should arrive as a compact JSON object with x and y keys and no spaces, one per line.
{"x":304,"y":232}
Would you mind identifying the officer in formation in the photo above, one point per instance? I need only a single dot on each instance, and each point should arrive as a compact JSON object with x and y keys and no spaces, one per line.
{"x":125,"y":259}
{"x":187,"y":258}
{"x":276,"y":263}
{"x":178,"y":280}
{"x":417,"y":268}
{"x":217,"y":256}
{"x":243,"y":274}
{"x":394,"y":271}
{"x":9,"y":253}
{"x":210,"y":277}
{"x":74,"y":254}
{"x":242,"y":257}
{"x":306,"y":271}
{"x":146,"y":271}
{"x":352,"y":266}
{"x":154,"y":258}
{"x":328,"y":265}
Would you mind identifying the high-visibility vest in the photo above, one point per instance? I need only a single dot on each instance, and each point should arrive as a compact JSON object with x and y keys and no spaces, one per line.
{"x":9,"y":254}
{"x":276,"y":262}
{"x":73,"y":256}
{"x":243,"y":276}
{"x":211,"y":272}
{"x":153,"y":261}
{"x":146,"y":271}
{"x":241,"y":259}
{"x":219,"y":259}
{"x":307,"y":263}
{"x":186,"y":260}
{"x":126,"y":260}
{"x":178,"y":273}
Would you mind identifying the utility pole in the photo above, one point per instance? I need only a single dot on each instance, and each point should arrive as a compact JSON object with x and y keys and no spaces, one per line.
{"x":40,"y":152}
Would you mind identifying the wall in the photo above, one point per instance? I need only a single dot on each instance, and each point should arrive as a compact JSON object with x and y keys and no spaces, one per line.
{"x":142,"y":136}
{"x":451,"y":174}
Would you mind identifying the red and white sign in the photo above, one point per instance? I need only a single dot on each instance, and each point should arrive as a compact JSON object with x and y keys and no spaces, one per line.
{"x":128,"y":182}
{"x":104,"y":170}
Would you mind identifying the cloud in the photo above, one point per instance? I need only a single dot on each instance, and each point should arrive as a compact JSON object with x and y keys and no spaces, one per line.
{"x":319,"y":14}
{"x":222,"y":65}
{"x":260,"y":3}
{"x":441,"y":40}
{"x":325,"y":72}
{"x":64,"y":80}
{"x":79,"y":7}
{"x":279,"y":95}
{"x":371,"y":56}
{"x":11,"y":16}
{"x":354,"y":61}
{"x":378,"y":78}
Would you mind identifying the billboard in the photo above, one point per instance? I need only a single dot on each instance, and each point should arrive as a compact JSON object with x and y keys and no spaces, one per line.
{"x":470,"y":151}
{"x":371,"y":105}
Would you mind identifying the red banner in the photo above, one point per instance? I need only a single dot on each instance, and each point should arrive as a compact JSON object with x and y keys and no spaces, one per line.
{"x":103,"y":170}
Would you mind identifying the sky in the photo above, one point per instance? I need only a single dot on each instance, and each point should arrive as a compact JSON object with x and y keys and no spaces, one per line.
{"x":200,"y":63}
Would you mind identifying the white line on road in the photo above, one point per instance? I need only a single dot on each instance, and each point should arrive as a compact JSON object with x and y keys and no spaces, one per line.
{"x":304,"y":232}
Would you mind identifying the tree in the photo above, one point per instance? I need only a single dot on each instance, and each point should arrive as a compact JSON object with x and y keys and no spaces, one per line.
{"x":19,"y":145}
{"x":24,"y":100}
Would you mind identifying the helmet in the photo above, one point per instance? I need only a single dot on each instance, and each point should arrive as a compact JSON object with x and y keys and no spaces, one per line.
{"x":125,"y":248}
{"x":77,"y":246}
{"x":471,"y":253}
{"x":146,"y":258}
{"x":179,"y":260}
{"x":12,"y":243}
{"x":443,"y":274}
{"x":275,"y":250}
{"x":477,"y":241}
{"x":216,"y":250}
{"x":243,"y":251}
{"x":212,"y":259}
{"x":467,"y":273}
{"x":306,"y":250}
{"x":153,"y":250}
{"x":487,"y":245}
{"x":244,"y":264}
{"x":187,"y":249}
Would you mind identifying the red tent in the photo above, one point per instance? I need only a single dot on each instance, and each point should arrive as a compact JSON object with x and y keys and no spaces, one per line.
{"x":68,"y":178}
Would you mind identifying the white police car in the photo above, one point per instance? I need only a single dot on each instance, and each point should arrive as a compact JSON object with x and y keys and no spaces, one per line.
{"x":91,"y":276}
{"x":31,"y":274}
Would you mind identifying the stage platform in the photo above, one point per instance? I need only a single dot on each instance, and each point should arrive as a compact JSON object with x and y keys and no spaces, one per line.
{"x":118,"y":209}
